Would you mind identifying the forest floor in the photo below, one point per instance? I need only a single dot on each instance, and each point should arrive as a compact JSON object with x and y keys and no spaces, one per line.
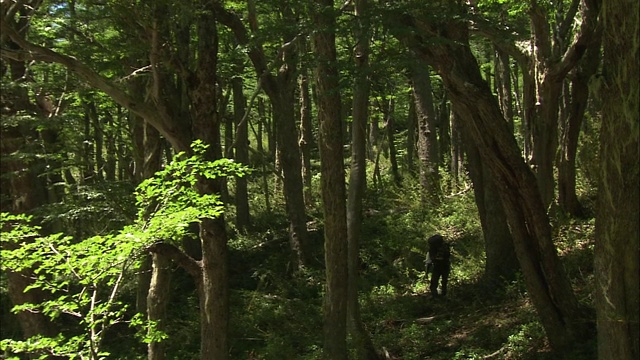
{"x":276,"y":314}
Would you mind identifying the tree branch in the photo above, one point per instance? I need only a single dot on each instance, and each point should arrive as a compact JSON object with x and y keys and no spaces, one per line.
{"x":185,"y":261}
{"x":586,"y":34}
{"x":33,"y":52}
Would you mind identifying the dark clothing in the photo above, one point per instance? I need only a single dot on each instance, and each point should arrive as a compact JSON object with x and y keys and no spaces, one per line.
{"x":439,"y":262}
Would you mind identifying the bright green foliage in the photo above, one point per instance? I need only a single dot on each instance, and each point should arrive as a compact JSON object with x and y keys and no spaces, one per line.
{"x":83,"y":278}
{"x":170,"y":200}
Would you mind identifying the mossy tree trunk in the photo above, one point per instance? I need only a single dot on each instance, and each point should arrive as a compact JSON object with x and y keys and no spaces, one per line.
{"x":617,"y":233}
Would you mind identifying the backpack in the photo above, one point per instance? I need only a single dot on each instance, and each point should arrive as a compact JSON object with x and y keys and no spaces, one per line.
{"x":441,"y":253}
{"x":439,"y":250}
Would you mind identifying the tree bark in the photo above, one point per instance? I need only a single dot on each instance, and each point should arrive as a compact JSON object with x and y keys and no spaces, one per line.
{"x":427,"y":136}
{"x":306,"y":141}
{"x":457,"y":152}
{"x":567,"y":197}
{"x":617,"y":233}
{"x":501,"y":263}
{"x":332,"y":182}
{"x":214,"y":289}
{"x":388,"y":110}
{"x":243,"y":218}
{"x":157,"y":301}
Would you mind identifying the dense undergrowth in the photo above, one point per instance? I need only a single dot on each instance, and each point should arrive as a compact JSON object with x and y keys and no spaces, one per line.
{"x":276,"y":313}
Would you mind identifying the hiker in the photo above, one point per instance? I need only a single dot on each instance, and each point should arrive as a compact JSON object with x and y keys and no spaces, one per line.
{"x":438,"y":263}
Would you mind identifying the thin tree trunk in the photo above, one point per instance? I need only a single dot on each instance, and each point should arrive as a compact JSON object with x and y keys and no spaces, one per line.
{"x":155,"y":276}
{"x":97,"y":140}
{"x":390,"y":127}
{"x":412,"y":136}
{"x":503,"y":85}
{"x":456,"y":152}
{"x":157,"y":302}
{"x":306,"y":137}
{"x":264,"y":158}
{"x":567,"y":197}
{"x":110,"y":165}
{"x":243,"y":219}
{"x":88,"y":170}
{"x":357,"y":184}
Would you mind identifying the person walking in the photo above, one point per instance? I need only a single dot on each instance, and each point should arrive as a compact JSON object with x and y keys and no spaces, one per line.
{"x":438,"y":262}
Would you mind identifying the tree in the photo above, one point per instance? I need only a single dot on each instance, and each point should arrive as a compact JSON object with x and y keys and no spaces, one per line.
{"x":333,"y":185}
{"x":501,"y":263}
{"x":555,"y":52}
{"x":617,"y":233}
{"x":83,"y":280}
{"x":482,"y":119}
{"x":427,"y":135}
{"x":156,"y":109}
{"x":280,"y":88}
{"x":357,"y":179}
{"x":23,"y":190}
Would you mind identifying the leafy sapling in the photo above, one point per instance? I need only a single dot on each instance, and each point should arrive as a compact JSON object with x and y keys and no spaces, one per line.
{"x":83,"y":279}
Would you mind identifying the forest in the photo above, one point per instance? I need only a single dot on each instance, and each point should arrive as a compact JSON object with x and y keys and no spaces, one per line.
{"x":242,"y":179}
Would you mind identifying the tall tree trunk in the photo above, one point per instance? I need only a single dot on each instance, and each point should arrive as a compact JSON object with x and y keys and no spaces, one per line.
{"x":214,"y":289}
{"x":357,"y":183}
{"x":110,"y":165}
{"x":280,"y":88}
{"x":554,"y":57}
{"x":264,"y":156}
{"x":88,"y":165}
{"x":503,"y":85}
{"x":243,"y":219}
{"x":412,"y":136}
{"x":444,"y":130}
{"x":97,"y":140}
{"x":332,"y":182}
{"x":155,"y":275}
{"x":546,"y":280}
{"x":457,"y":156}
{"x":389,"y":120}
{"x":501,"y":263}
{"x":373,"y":135}
{"x":306,"y":142}
{"x":567,"y":197}
{"x":617,"y":261}
{"x":291,"y":163}
{"x":427,"y":136}
{"x":25,"y":191}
